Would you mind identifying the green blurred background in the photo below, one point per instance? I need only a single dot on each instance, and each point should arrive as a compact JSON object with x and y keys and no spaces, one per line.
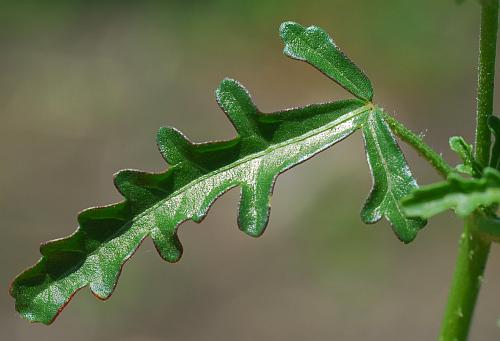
{"x":84,"y":86}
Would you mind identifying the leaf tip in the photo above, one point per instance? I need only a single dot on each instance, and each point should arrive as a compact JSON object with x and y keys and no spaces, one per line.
{"x":288,"y":30}
{"x":287,"y":26}
{"x":369,"y":214}
{"x":223,"y":85}
{"x":253,"y":222}
{"x":173,"y":145}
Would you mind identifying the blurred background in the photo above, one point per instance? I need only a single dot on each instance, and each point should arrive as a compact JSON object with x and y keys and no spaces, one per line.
{"x":84,"y":86}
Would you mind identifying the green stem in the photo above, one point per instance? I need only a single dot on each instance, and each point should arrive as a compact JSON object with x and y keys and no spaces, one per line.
{"x":473,"y":252}
{"x":419,"y":145}
{"x":486,"y":78}
{"x":471,"y":261}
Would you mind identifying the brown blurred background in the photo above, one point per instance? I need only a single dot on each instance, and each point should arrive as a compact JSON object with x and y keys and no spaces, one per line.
{"x":84,"y":86}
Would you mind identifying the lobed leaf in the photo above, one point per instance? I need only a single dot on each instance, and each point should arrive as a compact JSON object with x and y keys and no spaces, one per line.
{"x":392,"y":179}
{"x":155,"y":204}
{"x":457,"y":193}
{"x":315,"y":46}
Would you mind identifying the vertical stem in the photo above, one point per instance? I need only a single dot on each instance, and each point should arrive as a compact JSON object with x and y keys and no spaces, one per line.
{"x":486,"y":78}
{"x":473,"y":252}
{"x":471,"y":261}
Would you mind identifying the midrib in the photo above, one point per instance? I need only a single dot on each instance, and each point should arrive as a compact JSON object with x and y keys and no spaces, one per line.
{"x":264,"y":152}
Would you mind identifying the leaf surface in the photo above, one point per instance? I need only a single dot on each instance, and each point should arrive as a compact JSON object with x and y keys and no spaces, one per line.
{"x":315,"y":46}
{"x":465,"y":151}
{"x":494,"y":124}
{"x":458,"y":193}
{"x":392,"y":179}
{"x":489,"y":226}
{"x":155,"y":204}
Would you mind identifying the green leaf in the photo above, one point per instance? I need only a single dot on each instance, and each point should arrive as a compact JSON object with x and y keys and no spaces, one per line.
{"x":315,"y":46}
{"x":392,"y":179}
{"x":494,"y":124}
{"x":465,"y":152}
{"x":458,"y":193}
{"x":489,"y":227}
{"x":155,"y":204}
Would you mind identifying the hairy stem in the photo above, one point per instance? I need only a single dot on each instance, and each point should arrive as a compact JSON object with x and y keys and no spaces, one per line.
{"x":471,"y":261}
{"x":486,"y":78}
{"x":419,"y":145}
{"x":473,"y":252}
